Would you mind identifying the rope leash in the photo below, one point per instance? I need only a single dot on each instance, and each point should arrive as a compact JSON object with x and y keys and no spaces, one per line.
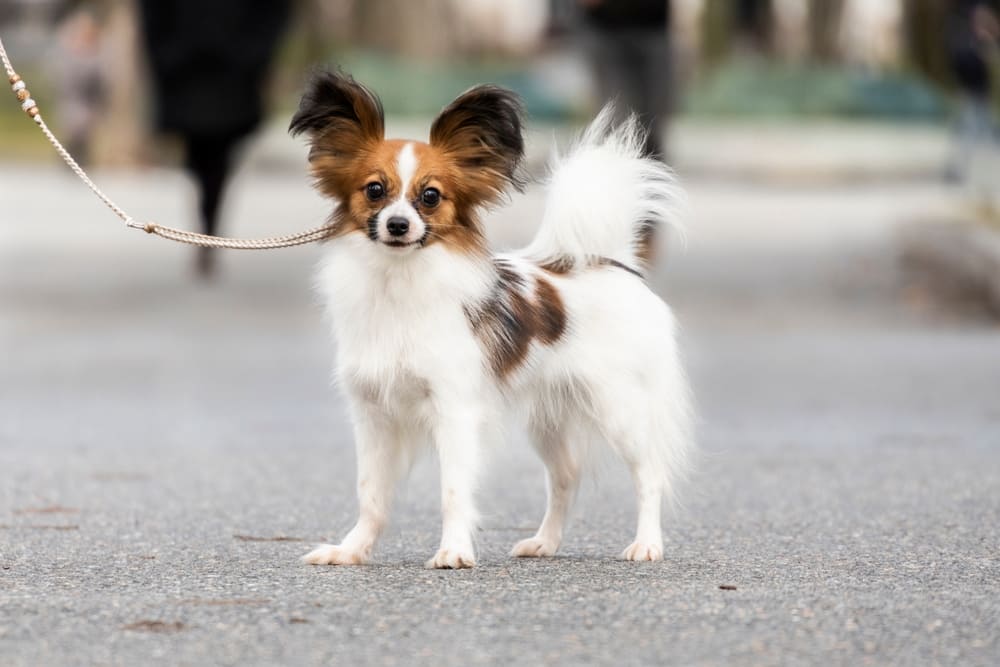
{"x":30,"y":107}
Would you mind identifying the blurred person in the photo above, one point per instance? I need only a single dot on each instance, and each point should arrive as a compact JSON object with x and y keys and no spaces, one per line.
{"x":208,"y":62}
{"x":628,"y":42}
{"x":82,"y":81}
{"x":973,"y":35}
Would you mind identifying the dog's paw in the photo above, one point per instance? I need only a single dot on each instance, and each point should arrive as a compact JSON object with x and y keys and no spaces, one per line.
{"x":452,"y":559}
{"x":643,"y":551}
{"x":534,"y":547}
{"x":333,"y":554}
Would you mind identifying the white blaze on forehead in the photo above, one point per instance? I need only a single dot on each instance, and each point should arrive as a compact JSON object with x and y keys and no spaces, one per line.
{"x":406,"y":166}
{"x":406,"y":163}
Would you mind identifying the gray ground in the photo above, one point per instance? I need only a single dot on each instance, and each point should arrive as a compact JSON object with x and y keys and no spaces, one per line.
{"x":168,"y":450}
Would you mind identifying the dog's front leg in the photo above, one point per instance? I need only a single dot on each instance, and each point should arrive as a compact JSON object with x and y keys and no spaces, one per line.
{"x":379,"y":464}
{"x":457,"y":438}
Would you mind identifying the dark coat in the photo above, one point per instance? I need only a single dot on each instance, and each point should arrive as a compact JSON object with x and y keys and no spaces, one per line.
{"x":965,"y":53}
{"x":208,"y":60}
{"x":619,"y":14}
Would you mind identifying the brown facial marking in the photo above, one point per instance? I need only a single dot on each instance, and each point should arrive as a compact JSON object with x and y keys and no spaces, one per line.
{"x":473,"y":157}
{"x":507,"y":321}
{"x":454,"y":220}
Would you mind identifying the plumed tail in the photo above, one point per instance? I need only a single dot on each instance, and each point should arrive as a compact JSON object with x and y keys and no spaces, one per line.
{"x":606,"y":199}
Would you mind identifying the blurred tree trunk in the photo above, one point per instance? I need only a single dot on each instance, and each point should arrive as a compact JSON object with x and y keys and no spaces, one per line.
{"x":747,"y":25}
{"x":925,"y":25}
{"x":755,"y":25}
{"x":423,"y":29}
{"x":122,"y":136}
{"x":824,"y":29}
{"x":716,"y":31}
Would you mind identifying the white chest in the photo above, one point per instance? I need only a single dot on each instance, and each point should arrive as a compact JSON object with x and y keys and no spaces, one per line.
{"x":399,"y":322}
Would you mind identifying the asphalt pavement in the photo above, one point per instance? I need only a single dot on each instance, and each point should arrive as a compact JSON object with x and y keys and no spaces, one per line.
{"x":169,"y":449}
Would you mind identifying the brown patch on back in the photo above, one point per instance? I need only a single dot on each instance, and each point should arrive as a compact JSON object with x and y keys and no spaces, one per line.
{"x":558,"y":265}
{"x":507,"y":321}
{"x":550,"y":315}
{"x":646,"y":248}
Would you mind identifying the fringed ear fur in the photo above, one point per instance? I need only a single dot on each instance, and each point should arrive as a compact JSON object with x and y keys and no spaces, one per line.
{"x":335,"y":106}
{"x":482,"y":132}
{"x":344,"y":120}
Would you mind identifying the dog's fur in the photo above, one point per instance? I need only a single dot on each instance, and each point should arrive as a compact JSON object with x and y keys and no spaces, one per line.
{"x":436,"y":336}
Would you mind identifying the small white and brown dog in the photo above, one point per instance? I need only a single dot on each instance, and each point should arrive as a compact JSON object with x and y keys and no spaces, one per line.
{"x":436,"y":336}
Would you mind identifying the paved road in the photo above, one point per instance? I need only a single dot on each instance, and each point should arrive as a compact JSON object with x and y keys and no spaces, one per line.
{"x":168,"y":450}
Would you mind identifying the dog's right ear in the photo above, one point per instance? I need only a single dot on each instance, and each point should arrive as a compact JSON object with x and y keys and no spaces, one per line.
{"x":341,"y":116}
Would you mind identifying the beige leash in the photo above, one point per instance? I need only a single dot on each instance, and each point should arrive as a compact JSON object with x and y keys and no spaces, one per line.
{"x":30,"y":107}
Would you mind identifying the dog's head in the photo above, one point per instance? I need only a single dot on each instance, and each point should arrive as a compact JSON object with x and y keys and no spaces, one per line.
{"x":405,"y":195}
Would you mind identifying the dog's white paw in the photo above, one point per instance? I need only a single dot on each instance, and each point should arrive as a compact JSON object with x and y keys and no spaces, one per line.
{"x":334,"y":554}
{"x":643,"y":551}
{"x":534,"y":547}
{"x":452,"y":559}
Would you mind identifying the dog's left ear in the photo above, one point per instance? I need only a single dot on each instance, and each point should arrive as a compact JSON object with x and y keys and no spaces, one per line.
{"x":341,"y":116}
{"x":482,"y":132}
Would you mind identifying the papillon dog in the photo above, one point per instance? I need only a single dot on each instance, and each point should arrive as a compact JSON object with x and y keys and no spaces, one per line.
{"x":437,"y":337}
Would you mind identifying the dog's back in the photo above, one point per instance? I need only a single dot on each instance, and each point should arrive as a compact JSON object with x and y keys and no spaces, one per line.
{"x":614,"y":371}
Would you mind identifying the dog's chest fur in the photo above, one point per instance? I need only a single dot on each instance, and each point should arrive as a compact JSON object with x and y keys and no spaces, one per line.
{"x":403,"y":336}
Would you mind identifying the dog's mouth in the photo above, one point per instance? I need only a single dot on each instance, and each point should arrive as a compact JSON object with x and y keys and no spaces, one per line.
{"x":398,"y":244}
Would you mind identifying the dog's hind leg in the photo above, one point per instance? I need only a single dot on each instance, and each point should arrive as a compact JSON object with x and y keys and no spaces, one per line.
{"x":648,"y":543}
{"x":380,"y":462}
{"x":563,"y":476}
{"x":648,"y":429}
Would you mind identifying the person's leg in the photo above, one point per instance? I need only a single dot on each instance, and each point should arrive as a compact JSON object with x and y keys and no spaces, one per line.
{"x":551,"y":441}
{"x":655,"y":81}
{"x":963,"y":139}
{"x":983,"y":158}
{"x":611,"y":69}
{"x":633,"y":68}
{"x":209,"y":159}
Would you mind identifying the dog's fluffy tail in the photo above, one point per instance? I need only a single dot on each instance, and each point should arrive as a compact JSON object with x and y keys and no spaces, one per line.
{"x":606,"y":199}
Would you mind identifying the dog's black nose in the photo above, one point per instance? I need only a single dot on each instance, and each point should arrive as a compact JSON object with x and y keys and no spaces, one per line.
{"x":398,"y":226}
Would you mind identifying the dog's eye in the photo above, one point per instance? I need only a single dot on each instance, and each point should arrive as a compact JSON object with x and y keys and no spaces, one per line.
{"x":430,"y":197}
{"x":374,"y":191}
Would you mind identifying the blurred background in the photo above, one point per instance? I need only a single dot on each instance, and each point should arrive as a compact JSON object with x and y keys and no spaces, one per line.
{"x":798,"y":91}
{"x":838,"y":294}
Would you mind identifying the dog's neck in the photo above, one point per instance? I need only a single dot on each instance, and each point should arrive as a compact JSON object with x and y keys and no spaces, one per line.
{"x":360,"y":270}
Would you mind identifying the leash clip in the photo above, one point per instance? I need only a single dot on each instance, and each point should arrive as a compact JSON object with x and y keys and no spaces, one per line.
{"x":144,"y":226}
